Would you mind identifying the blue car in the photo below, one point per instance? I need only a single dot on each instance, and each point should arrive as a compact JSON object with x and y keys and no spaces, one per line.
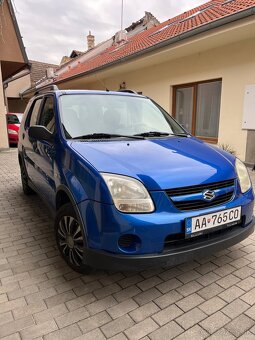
{"x":129,"y":188}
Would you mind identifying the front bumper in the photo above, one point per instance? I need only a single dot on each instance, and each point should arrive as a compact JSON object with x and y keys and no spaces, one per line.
{"x":186,"y":252}
{"x":104,"y":225}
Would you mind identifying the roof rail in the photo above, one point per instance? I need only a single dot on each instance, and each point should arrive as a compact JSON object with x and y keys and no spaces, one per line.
{"x":47,"y":88}
{"x":127,"y":91}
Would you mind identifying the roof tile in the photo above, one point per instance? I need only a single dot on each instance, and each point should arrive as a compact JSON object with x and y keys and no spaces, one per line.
{"x":38,"y":70}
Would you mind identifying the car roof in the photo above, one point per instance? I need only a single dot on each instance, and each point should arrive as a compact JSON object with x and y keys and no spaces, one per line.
{"x":67,"y":92}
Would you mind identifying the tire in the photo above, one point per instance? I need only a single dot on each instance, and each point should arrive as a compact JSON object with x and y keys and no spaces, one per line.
{"x":24,"y":179}
{"x":70,"y":238}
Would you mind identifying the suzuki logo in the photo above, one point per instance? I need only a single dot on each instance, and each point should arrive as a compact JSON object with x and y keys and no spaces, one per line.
{"x":208,"y":195}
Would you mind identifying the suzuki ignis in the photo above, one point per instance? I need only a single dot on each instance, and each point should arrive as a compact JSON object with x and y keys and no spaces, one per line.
{"x":128,"y":186}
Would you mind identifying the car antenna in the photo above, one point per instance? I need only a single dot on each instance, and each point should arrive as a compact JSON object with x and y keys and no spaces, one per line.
{"x":102,"y":83}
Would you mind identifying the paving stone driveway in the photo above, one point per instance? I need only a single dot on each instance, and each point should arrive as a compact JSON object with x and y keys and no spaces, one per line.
{"x":40,"y":297}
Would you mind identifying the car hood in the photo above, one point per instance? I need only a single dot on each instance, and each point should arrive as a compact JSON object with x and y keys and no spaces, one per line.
{"x":160,"y":163}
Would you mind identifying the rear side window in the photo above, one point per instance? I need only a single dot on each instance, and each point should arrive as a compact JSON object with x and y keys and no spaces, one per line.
{"x":47,"y":117}
{"x":12,"y":119}
{"x":35,"y":111}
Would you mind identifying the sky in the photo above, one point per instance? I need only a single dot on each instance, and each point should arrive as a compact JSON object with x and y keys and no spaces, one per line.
{"x":53,"y":28}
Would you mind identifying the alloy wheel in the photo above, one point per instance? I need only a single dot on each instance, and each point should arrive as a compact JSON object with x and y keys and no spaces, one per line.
{"x":70,"y":240}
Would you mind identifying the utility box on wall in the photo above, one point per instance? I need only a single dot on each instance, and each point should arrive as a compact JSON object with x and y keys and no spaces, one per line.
{"x":249,"y":108}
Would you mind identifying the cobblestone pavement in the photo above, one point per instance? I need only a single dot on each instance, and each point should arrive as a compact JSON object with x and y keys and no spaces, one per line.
{"x":40,"y":297}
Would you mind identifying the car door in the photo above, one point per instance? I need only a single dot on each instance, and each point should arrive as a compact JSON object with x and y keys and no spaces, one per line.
{"x":29,"y":145}
{"x":45,"y":152}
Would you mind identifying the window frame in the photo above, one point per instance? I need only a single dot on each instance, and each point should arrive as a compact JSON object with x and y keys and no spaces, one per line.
{"x":194,"y":85}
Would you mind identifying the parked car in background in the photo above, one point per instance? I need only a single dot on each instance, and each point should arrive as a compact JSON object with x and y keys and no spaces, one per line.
{"x":13,"y":125}
{"x":128,"y":186}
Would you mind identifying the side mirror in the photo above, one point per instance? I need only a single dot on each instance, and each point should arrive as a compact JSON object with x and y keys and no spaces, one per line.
{"x":40,"y":132}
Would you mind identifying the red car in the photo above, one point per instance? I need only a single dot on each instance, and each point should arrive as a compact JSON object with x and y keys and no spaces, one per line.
{"x":13,"y":124}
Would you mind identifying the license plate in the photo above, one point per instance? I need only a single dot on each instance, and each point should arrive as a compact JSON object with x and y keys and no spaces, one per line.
{"x":204,"y":223}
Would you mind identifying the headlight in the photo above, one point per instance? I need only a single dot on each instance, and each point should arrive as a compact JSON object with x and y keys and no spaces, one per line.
{"x":243,"y":176}
{"x":128,"y":194}
{"x":12,"y":132}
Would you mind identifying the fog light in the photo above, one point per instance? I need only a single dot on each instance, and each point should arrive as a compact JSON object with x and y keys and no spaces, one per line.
{"x":129,"y":243}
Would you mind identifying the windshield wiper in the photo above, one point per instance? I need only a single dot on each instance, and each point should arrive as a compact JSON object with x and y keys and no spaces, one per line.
{"x":152,"y":134}
{"x":102,"y":135}
{"x":159,"y":134}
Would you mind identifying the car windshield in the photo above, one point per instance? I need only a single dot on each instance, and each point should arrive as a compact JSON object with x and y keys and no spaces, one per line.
{"x":84,"y":115}
{"x":14,"y":118}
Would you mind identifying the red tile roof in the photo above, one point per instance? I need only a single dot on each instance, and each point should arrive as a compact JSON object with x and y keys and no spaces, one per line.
{"x":187,"y":21}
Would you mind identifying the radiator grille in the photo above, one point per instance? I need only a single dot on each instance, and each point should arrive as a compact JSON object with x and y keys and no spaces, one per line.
{"x":199,"y":188}
{"x":225,"y":191}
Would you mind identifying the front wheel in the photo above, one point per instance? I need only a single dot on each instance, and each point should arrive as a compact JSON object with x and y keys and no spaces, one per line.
{"x":70,"y":238}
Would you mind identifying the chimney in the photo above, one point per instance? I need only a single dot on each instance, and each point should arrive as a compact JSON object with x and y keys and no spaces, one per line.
{"x":120,"y":37}
{"x":90,"y":41}
{"x":149,"y":20}
{"x":50,"y":73}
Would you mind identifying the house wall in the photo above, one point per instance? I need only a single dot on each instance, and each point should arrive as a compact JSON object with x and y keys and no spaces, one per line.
{"x":14,"y":102}
{"x":9,"y":45}
{"x":15,"y":87}
{"x":235,"y":64}
{"x":3,"y":129}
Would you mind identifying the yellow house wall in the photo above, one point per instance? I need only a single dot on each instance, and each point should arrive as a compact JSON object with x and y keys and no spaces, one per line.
{"x":15,"y":87}
{"x":12,"y":93}
{"x":235,"y":64}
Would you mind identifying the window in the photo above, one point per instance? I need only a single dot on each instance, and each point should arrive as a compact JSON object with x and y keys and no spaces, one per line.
{"x":197,"y":107}
{"x":198,"y":12}
{"x":47,"y":118}
{"x":14,"y":118}
{"x":166,"y":26}
{"x":35,"y":111}
{"x":227,"y":2}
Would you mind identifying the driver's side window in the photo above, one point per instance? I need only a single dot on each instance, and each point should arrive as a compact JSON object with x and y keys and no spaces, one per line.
{"x":47,"y":117}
